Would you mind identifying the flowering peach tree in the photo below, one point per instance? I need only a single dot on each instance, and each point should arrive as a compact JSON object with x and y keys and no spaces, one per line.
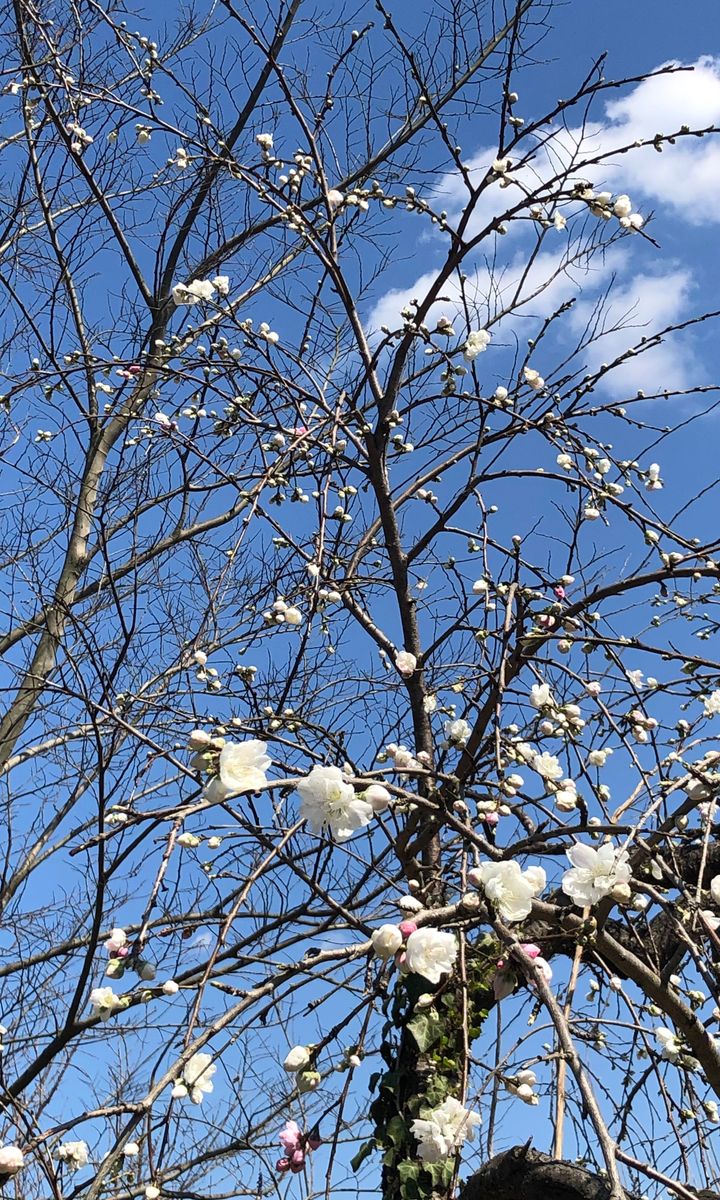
{"x":359,"y":720}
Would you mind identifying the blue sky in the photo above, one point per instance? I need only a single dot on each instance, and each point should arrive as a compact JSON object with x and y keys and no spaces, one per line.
{"x":669,"y":284}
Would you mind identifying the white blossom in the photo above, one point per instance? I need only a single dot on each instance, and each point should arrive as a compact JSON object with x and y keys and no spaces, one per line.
{"x":594,"y":873}
{"x":457,"y":732}
{"x":509,"y":889}
{"x":566,"y":796}
{"x":221,"y":283}
{"x":533,"y":378}
{"x":170,"y":987}
{"x":405,"y":663}
{"x":715,"y":888}
{"x":386,"y":941}
{"x":547,"y":766}
{"x":243,"y":765}
{"x":105,"y":1002}
{"x":195,"y":292}
{"x":541,"y":696}
{"x":622,"y":206}
{"x":443,"y":1130}
{"x":75,"y":1154}
{"x":12,"y":1160}
{"x":431,"y":953}
{"x":671,"y":1047}
{"x":328,"y":799}
{"x":478,"y":340}
{"x":197,"y":1078}
{"x":264,"y":141}
{"x":712,"y":704}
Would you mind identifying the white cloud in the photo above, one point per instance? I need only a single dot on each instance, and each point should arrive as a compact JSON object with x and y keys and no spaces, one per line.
{"x":684,"y":176}
{"x":643,"y":306}
{"x":532,"y":289}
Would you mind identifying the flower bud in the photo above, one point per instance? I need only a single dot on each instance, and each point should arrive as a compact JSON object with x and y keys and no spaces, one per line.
{"x":407,"y":927}
{"x":297,"y":1058}
{"x":307,"y":1081}
{"x":387,"y":940}
{"x":378,"y":797}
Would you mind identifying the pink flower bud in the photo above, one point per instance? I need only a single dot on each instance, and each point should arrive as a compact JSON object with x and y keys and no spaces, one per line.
{"x":559,"y":592}
{"x":282,"y":1164}
{"x":400,"y":959}
{"x":297,"y":1157}
{"x":530,"y":949}
{"x":407,"y":927}
{"x":491,"y":818}
{"x":134,"y":369}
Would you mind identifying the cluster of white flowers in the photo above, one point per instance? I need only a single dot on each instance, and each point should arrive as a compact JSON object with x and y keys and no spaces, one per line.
{"x":196,"y":1079}
{"x":282,"y":613}
{"x":442,"y":1131}
{"x":533,"y":378}
{"x":641,"y":726}
{"x":601,"y":204}
{"x":548,"y":765}
{"x":595,"y":874}
{"x":478,"y":340}
{"x":328,"y":800}
{"x":265,"y":142}
{"x":403,"y":758}
{"x":711,"y":703}
{"x":508,"y":888}
{"x":431,"y":953}
{"x":522,"y":1085}
{"x":653,"y":483}
{"x":75,"y":1154}
{"x":457,"y":732}
{"x":199,"y":291}
{"x":270,"y":335}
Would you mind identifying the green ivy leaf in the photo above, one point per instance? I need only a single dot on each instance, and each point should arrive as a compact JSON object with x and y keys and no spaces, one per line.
{"x":364,"y":1152}
{"x":409,"y":1178}
{"x":426,"y":1028}
{"x":396,"y":1131}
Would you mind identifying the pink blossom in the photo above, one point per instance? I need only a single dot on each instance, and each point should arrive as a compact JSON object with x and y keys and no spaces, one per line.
{"x":491,"y":818}
{"x":291,"y":1137}
{"x":546,"y":621}
{"x":282,"y":1164}
{"x":559,"y":592}
{"x":530,"y":949}
{"x":407,"y":927}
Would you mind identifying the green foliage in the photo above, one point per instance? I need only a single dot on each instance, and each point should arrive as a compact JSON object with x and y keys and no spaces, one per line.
{"x":423,"y":1050}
